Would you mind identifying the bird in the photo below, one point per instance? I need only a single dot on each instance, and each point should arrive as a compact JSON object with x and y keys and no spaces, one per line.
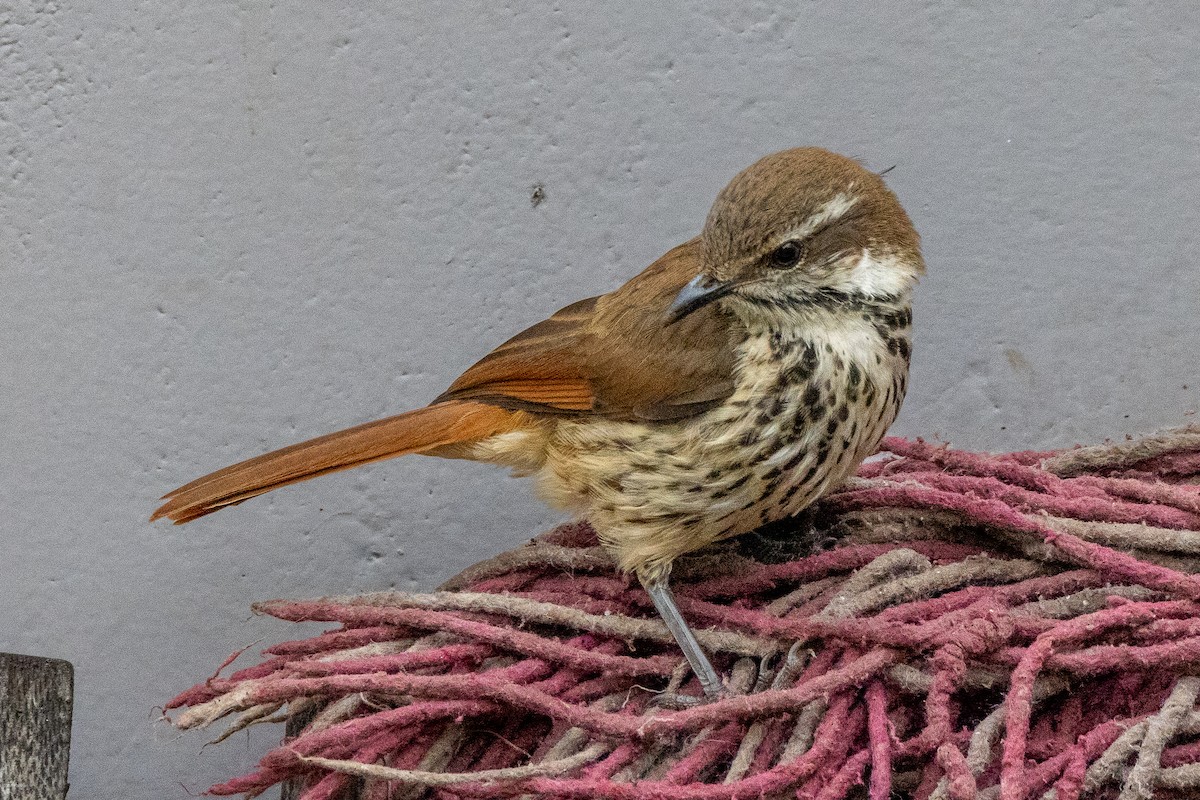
{"x":737,"y":379}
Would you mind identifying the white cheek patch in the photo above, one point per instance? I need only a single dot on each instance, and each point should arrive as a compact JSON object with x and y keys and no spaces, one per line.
{"x":877,"y":276}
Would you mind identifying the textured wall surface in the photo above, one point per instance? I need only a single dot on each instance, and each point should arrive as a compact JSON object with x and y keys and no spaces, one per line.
{"x":226,"y":226}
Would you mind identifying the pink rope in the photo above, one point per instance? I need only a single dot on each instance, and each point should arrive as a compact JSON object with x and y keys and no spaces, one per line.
{"x":879,"y":731}
{"x":879,"y":674}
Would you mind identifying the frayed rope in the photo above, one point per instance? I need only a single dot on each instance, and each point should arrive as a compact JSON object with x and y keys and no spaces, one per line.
{"x":1016,"y":626}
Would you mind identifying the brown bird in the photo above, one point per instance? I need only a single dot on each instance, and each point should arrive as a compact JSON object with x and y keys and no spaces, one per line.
{"x":731,"y":384}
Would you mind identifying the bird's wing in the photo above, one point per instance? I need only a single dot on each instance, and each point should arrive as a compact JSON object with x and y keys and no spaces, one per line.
{"x":642,"y":367}
{"x":539,"y":369}
{"x":614,"y":355}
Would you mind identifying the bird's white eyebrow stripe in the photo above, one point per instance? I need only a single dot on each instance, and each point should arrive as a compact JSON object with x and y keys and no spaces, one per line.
{"x":832,"y":211}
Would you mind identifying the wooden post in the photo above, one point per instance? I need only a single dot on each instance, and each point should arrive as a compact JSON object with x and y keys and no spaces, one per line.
{"x":35,"y":727}
{"x":292,"y":788}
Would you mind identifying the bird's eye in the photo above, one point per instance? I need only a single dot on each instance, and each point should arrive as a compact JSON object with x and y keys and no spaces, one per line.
{"x":787,"y":255}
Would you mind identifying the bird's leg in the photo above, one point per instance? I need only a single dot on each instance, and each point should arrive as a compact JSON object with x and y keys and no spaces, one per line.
{"x":664,"y":602}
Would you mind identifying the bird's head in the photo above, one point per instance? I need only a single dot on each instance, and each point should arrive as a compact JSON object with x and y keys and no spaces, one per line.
{"x":800,"y":225}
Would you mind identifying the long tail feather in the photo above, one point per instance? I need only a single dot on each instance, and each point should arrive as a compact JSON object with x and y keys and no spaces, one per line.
{"x":419,"y":431}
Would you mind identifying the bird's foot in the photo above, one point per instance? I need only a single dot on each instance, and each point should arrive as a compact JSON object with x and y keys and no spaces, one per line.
{"x":664,"y":602}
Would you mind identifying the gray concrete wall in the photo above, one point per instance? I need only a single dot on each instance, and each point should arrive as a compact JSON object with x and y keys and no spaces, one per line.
{"x":227,"y":226}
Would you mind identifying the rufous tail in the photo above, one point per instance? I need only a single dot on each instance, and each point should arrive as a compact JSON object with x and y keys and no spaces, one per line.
{"x":421,"y":431}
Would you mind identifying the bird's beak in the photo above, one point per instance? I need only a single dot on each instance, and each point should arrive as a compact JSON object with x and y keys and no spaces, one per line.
{"x":699,"y":292}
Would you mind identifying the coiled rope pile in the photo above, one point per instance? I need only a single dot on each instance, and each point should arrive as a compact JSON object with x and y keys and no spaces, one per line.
{"x":1016,"y":626}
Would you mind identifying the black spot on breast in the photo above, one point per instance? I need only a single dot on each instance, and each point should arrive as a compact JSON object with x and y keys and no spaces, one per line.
{"x":799,"y":420}
{"x":869,"y":392}
{"x":739,"y":483}
{"x":900,"y":318}
{"x":795,"y":460}
{"x":777,"y":345}
{"x":854,"y":376}
{"x":803,"y":368}
{"x":812,"y":396}
{"x":898,"y":346}
{"x":796,"y":373}
{"x":769,"y":489}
